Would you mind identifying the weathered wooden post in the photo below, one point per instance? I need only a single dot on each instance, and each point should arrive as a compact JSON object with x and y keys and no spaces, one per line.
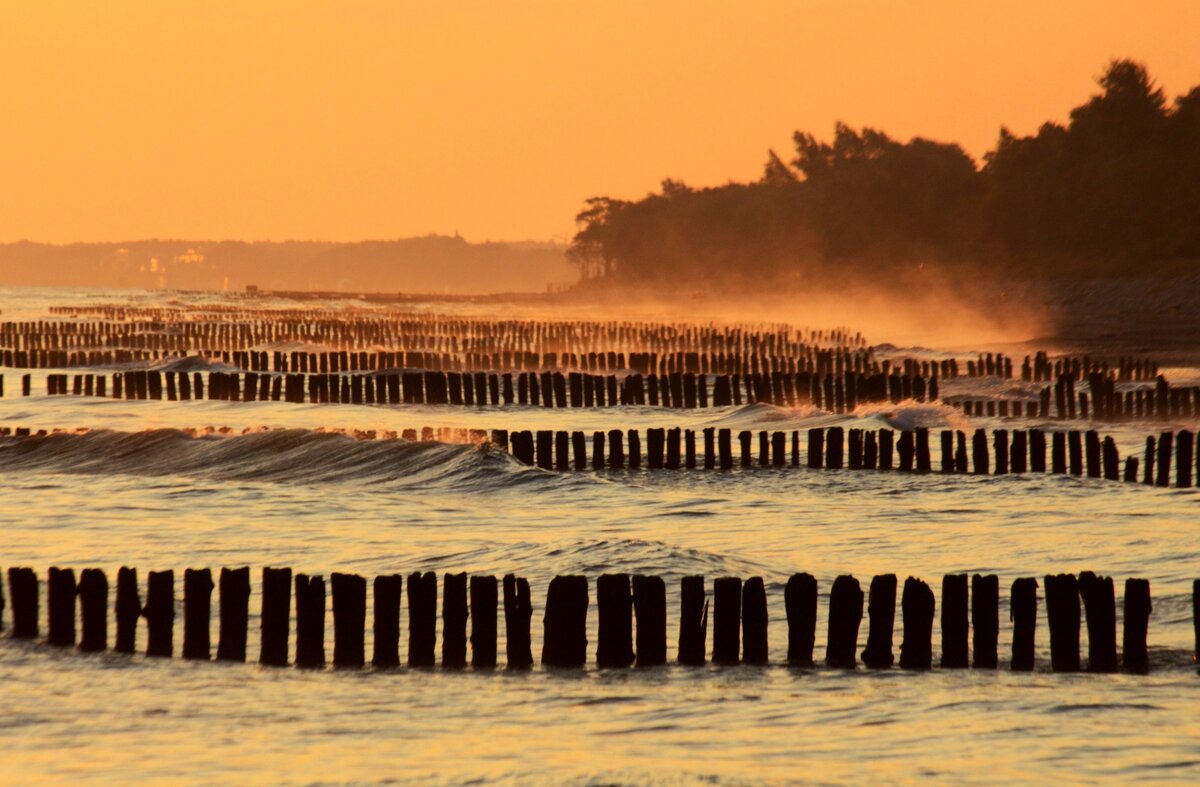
{"x":650,"y":611}
{"x":727,"y":610}
{"x":800,"y":597}
{"x":1137,"y":620}
{"x":23,"y":589}
{"x":955,"y":626}
{"x":845,"y":615}
{"x":754,"y":621}
{"x":834,"y":448}
{"x":160,"y":613}
{"x":517,"y":613}
{"x":349,"y":619}
{"x":60,"y":604}
{"x":276,"y":615}
{"x":614,"y":602}
{"x":886,"y":443}
{"x":310,"y":621}
{"x":1099,"y":603}
{"x":816,"y":447}
{"x":1037,"y":451}
{"x":1062,"y":612}
{"x":483,"y":622}
{"x":881,"y":611}
{"x":1023,"y":611}
{"x":985,"y":618}
{"x":387,"y":591}
{"x":979,"y":452}
{"x":197,"y":613}
{"x":422,"y":618}
{"x":128,"y":609}
{"x":565,"y":623}
{"x":917,"y":603}
{"x":1075,"y":453}
{"x":693,"y":621}
{"x":454,"y":620}
{"x":725,"y":448}
{"x":235,"y":613}
{"x":93,"y":602}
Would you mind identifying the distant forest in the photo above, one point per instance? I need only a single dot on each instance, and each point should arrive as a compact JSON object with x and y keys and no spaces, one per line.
{"x":430,"y":265}
{"x":1115,"y":191}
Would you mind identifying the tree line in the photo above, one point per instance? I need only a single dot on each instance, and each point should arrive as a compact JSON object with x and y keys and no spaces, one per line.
{"x":1115,"y":190}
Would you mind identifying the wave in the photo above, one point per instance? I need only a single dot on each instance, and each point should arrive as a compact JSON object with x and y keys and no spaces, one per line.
{"x":298,"y":456}
{"x":911,"y":414}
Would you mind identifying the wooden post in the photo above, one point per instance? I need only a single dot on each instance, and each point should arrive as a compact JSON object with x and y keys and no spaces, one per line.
{"x":650,"y":611}
{"x":349,"y":619}
{"x":1137,"y":620}
{"x":517,"y":613}
{"x":579,"y":448}
{"x":881,"y":611}
{"x":725,"y":448}
{"x":614,"y":601}
{"x":197,"y":613}
{"x":235,"y":613}
{"x":1037,"y":451}
{"x":985,"y":618}
{"x":816,"y":447}
{"x":947,"y":438}
{"x":93,"y":602}
{"x":845,"y":615}
{"x":564,"y":641}
{"x":483,"y":622}
{"x":23,"y":589}
{"x":276,"y":615}
{"x":1000,"y":443}
{"x":923,"y":462}
{"x":1075,"y":455}
{"x":693,"y":621}
{"x":833,"y":448}
{"x":454,"y":620}
{"x":310,"y":621}
{"x":886,"y":442}
{"x":979,"y":452}
{"x":1023,"y":611}
{"x":747,"y":456}
{"x":60,"y":603}
{"x":160,"y":613}
{"x":655,"y":447}
{"x":387,"y":591}
{"x":422,"y":618}
{"x":635,"y":449}
{"x":955,"y":627}
{"x":754,"y":621}
{"x":1184,"y":448}
{"x":128,"y":609}
{"x":1058,"y":453}
{"x":1062,"y":612}
{"x":1165,"y":441}
{"x":616,"y":449}
{"x":1099,"y":603}
{"x":906,"y":449}
{"x":727,"y":610}
{"x":710,"y":448}
{"x":800,"y":598}
{"x":916,"y":649}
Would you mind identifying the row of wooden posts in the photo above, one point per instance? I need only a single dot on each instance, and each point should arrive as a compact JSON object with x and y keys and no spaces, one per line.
{"x":969,"y":619}
{"x":547,"y":389}
{"x":836,"y":448}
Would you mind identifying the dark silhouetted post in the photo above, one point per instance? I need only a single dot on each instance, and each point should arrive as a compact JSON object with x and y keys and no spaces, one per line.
{"x":422,"y":619}
{"x":128,"y":609}
{"x":349,"y":619}
{"x":693,"y":621}
{"x":955,"y":626}
{"x":483,"y":622}
{"x":276,"y":615}
{"x":235,"y":613}
{"x":881,"y":612}
{"x":197,"y":613}
{"x":754,"y":621}
{"x":916,"y":649}
{"x":1062,"y":612}
{"x":60,"y":603}
{"x":310,"y":621}
{"x":93,"y":602}
{"x":1099,"y":603}
{"x":985,"y":620}
{"x":1137,"y":621}
{"x":800,"y":599}
{"x":727,"y":611}
{"x":650,"y":611}
{"x":387,"y":591}
{"x":614,"y":602}
{"x":517,"y":613}
{"x":454,"y":620}
{"x":845,"y":615}
{"x":23,"y":589}
{"x":1023,"y":611}
{"x":564,"y":642}
{"x":160,"y":613}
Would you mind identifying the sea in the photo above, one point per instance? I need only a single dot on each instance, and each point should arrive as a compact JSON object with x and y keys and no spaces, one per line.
{"x":174,"y":485}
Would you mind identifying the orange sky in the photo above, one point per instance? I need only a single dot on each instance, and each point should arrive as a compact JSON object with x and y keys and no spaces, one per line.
{"x":275,"y":119}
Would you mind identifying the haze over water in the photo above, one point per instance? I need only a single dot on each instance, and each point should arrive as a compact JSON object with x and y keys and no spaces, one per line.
{"x":138,"y":491}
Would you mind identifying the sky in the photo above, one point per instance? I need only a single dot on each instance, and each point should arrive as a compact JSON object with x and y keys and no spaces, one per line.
{"x":350,"y":120}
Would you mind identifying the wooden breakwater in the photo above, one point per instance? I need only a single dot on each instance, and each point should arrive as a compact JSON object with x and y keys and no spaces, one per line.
{"x":632,"y":619}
